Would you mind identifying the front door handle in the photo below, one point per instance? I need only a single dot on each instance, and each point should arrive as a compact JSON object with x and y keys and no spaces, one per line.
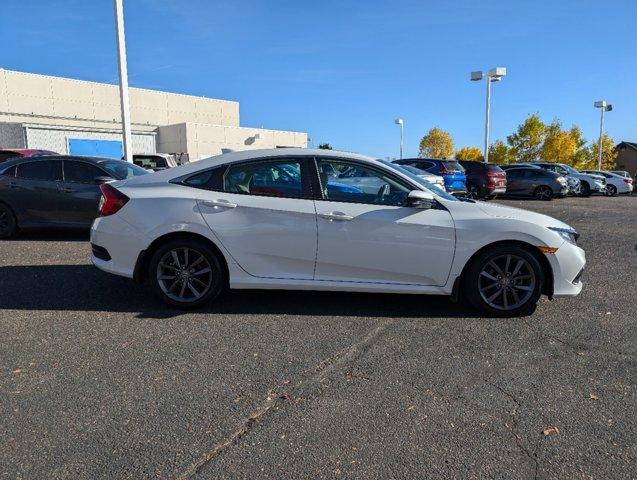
{"x":338,"y":216}
{"x":219,"y":203}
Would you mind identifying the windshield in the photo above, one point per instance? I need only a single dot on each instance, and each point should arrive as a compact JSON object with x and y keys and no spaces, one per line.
{"x":122,"y":170}
{"x":420,"y":181}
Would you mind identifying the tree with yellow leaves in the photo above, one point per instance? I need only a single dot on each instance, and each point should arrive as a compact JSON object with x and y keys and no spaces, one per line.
{"x":436,"y":144}
{"x":470,"y":153}
{"x":609,"y":154}
{"x":500,"y":154}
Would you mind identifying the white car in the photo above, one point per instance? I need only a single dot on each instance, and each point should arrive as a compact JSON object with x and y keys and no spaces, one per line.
{"x":614,"y":183}
{"x":267,"y":219}
{"x":437,"y":180}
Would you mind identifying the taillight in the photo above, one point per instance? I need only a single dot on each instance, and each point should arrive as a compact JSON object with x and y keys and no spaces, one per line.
{"x":444,"y":171}
{"x":628,"y":180}
{"x":112,"y":200}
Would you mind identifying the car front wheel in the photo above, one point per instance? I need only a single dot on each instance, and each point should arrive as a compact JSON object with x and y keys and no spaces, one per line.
{"x":543,"y":192}
{"x":186,"y":273}
{"x":8,"y":225}
{"x":504,"y":281}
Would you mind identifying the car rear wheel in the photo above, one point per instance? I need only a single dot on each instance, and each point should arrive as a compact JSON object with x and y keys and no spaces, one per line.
{"x":8,"y":224}
{"x":504,"y":281}
{"x":611,"y":190}
{"x":473,"y":191}
{"x":585,"y":190}
{"x":186,"y":273}
{"x":543,"y":192}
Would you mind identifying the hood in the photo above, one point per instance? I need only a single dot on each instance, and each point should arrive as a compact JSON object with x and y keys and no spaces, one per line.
{"x":503,"y":211}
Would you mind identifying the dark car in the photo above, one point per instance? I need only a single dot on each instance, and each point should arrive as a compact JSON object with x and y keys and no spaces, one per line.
{"x":484,"y":180}
{"x":535,"y":182}
{"x":6,"y":154}
{"x":55,"y":191}
{"x":450,"y":170}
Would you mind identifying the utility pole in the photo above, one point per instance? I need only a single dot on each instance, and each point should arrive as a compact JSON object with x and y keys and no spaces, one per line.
{"x":123,"y":80}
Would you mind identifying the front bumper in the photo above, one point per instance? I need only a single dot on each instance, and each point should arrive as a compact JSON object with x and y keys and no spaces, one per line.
{"x":598,"y":187}
{"x":567,"y":263}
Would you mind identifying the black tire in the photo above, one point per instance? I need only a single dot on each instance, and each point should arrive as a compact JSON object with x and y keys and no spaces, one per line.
{"x":543,"y":192}
{"x":611,"y":190}
{"x":474,"y":191}
{"x":475,"y":283}
{"x":8,"y":223}
{"x":585,"y":189}
{"x":194,"y":257}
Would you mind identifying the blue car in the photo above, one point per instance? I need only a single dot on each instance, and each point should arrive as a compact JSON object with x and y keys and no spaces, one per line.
{"x":450,"y":170}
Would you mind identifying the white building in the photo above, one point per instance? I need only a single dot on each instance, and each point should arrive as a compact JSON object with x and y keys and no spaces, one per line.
{"x":78,"y":117}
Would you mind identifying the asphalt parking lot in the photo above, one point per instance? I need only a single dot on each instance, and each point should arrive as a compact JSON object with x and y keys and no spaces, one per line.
{"x":99,"y":380}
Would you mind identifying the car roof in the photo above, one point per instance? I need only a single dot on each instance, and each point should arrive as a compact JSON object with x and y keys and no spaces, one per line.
{"x":245,"y":155}
{"x":26,"y":152}
{"x":39,"y":158}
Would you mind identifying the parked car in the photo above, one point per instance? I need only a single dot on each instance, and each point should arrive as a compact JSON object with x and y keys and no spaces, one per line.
{"x":193,"y":230}
{"x":6,"y":154}
{"x":484,"y":180}
{"x":622,"y":173}
{"x":154,"y":161}
{"x":428,"y":177}
{"x":589,"y":184}
{"x":55,"y":191}
{"x":450,"y":170}
{"x":614,"y":183}
{"x":535,"y":182}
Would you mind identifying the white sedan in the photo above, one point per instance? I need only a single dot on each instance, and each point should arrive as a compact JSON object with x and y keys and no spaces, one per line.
{"x":615,"y":183}
{"x":267,"y":219}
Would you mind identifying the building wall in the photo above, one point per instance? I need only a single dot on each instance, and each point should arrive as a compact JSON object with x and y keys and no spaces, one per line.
{"x":627,"y":160}
{"x":12,"y":135}
{"x":32,"y":98}
{"x":203,"y":140}
{"x":55,"y":139}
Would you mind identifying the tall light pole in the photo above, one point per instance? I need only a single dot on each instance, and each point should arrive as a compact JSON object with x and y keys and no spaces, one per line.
{"x":494,"y":75}
{"x":123,"y":80}
{"x":401,"y":122}
{"x":604,"y":107}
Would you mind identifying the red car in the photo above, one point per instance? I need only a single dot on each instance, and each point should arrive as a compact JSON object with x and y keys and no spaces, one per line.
{"x":6,"y":154}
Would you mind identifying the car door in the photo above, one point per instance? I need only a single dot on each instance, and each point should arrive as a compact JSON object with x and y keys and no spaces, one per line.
{"x":80,"y":191}
{"x":36,"y":194}
{"x":263,"y":214}
{"x":366,"y":237}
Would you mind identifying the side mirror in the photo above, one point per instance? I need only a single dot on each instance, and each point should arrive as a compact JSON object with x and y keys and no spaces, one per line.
{"x":420,"y":199}
{"x":101,"y":180}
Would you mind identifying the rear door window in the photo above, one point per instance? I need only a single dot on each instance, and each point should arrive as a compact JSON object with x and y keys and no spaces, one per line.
{"x":280,"y":178}
{"x":50,"y":170}
{"x":452,"y":166}
{"x":81,"y":172}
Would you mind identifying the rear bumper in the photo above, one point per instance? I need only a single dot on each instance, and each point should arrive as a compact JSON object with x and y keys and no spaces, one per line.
{"x":496,"y":190}
{"x":118,"y":245}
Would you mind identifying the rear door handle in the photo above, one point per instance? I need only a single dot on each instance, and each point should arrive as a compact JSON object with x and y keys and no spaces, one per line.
{"x":338,"y":216}
{"x":219,"y":203}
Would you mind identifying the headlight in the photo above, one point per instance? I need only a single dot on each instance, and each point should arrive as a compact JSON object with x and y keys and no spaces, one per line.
{"x":568,"y":234}
{"x":561,"y":180}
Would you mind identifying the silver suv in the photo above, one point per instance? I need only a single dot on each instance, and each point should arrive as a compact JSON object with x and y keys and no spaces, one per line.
{"x":589,"y":183}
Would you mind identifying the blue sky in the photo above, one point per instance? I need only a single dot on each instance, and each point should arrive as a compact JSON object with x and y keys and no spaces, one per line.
{"x":342,"y":70}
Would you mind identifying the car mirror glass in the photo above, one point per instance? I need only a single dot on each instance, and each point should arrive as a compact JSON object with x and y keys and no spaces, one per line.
{"x":102,"y":179}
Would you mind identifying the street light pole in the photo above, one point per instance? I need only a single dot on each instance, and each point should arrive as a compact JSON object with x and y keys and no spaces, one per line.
{"x":486,"y":122}
{"x":123,"y":80}
{"x":604,"y":107}
{"x":401,"y":122}
{"x":494,"y":75}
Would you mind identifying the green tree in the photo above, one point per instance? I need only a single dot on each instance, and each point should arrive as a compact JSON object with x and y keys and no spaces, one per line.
{"x":500,"y":154}
{"x":325,"y":146}
{"x":469,"y":153}
{"x":528,"y":139}
{"x":436,"y":144}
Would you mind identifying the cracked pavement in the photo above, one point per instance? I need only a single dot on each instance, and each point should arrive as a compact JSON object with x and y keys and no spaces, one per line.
{"x":100,"y":381}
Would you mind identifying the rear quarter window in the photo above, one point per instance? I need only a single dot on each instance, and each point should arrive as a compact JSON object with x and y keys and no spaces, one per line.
{"x":452,"y":165}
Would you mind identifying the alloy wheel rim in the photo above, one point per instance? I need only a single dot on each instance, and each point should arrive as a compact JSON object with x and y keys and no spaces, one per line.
{"x":4,"y":220}
{"x":184,"y":275}
{"x":506,"y":282}
{"x":543,"y":193}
